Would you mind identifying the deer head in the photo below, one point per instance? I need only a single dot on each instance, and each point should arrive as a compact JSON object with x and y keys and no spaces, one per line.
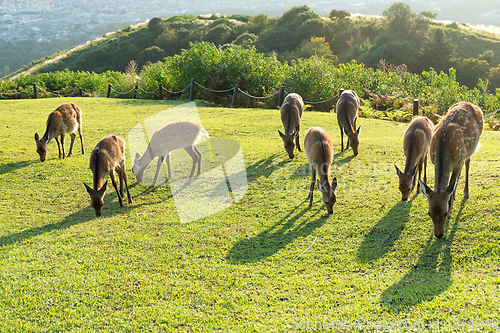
{"x":439,"y":205}
{"x":288,"y":140}
{"x":406,"y":181}
{"x":41,"y":147}
{"x":354,"y":140}
{"x":328,"y":192}
{"x":136,"y":170}
{"x":97,"y":197}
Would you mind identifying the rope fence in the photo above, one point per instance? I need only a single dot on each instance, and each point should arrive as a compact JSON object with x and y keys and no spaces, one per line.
{"x":235,"y":90}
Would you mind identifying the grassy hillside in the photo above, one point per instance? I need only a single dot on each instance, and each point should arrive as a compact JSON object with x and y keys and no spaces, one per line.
{"x":266,"y":263}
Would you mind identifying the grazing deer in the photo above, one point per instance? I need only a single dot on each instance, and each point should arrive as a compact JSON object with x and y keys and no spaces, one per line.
{"x":67,"y":118}
{"x":107,"y":157}
{"x":347,"y":114}
{"x":454,"y":140}
{"x":319,"y":153}
{"x":416,"y":144}
{"x":178,"y":135}
{"x":291,"y":111}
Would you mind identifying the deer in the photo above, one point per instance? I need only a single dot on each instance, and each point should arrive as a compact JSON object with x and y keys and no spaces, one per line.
{"x":416,"y":144}
{"x":319,"y":152}
{"x":347,"y":113}
{"x":291,"y":111}
{"x":67,"y":118}
{"x":177,"y":135}
{"x":107,"y":157}
{"x":454,"y":140}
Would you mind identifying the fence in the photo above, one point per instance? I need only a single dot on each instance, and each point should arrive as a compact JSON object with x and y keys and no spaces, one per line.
{"x":235,"y":90}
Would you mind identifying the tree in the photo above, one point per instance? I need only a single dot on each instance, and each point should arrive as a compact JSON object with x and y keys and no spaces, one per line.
{"x":259,"y":24}
{"x":438,"y":52}
{"x":169,"y":41}
{"x":428,"y":14}
{"x":402,"y":23}
{"x":470,"y":70}
{"x":316,"y":46}
{"x":339,"y":15}
{"x":151,"y":54}
{"x":123,"y":54}
{"x":246,"y":39}
{"x":220,"y":34}
{"x":157,"y":26}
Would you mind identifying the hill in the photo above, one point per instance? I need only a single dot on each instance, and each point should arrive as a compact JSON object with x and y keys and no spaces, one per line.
{"x":265,"y":263}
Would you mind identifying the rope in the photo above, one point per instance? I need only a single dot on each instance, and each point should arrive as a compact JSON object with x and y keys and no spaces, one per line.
{"x":248,"y":95}
{"x":176,"y":92}
{"x":489,"y":114}
{"x":148,"y":92}
{"x":215,"y":91}
{"x":326,"y":100}
{"x":17,"y":92}
{"x":122,"y":93}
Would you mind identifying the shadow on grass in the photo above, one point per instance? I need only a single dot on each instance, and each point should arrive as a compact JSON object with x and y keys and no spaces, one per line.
{"x":14,"y":166}
{"x":270,"y":241}
{"x":111,"y":208}
{"x":266,"y":167}
{"x":383,"y":235}
{"x":428,"y":278}
{"x":340,"y":162}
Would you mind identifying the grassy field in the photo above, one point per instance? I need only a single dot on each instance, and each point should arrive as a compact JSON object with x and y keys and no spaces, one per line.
{"x":267,"y":263}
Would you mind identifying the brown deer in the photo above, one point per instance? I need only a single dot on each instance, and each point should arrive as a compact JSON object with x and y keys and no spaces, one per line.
{"x":291,"y":111}
{"x":347,"y":114}
{"x":178,"y":135}
{"x":319,"y":153}
{"x":67,"y":118}
{"x":107,"y":157}
{"x":416,"y":143}
{"x":454,"y":140}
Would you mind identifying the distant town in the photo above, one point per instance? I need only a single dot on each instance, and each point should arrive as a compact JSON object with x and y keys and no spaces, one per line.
{"x":63,"y":20}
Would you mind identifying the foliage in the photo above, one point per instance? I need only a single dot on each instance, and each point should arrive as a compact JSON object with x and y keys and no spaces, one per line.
{"x":437,"y":52}
{"x":471,"y":70}
{"x":317,"y":46}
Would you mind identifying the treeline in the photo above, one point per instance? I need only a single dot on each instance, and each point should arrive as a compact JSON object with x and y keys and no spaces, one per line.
{"x":316,"y":79}
{"x":399,"y":37}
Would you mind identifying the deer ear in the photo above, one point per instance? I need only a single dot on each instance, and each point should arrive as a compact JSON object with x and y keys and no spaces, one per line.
{"x":451,"y":187}
{"x":295,"y":134}
{"x":37,"y":137}
{"x":320,"y":186}
{"x":334,"y":183}
{"x":89,"y":190}
{"x":137,"y":156}
{"x":104,"y":187}
{"x":425,"y":189}
{"x":358,"y":129}
{"x":281,"y":134}
{"x":398,"y":172}
{"x":414,"y":170}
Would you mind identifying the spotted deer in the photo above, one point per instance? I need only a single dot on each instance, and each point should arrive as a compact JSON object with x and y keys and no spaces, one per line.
{"x":178,"y":135}
{"x":66,"y":119}
{"x":291,"y":111}
{"x":319,"y":152}
{"x":107,"y":157}
{"x":454,"y":140}
{"x":416,"y":144}
{"x":347,"y":113}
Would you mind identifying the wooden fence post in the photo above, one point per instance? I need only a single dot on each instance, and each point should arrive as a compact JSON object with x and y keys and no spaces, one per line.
{"x":80,"y":92}
{"x":109,"y":90}
{"x":415,"y":107}
{"x":191,"y":91}
{"x":35,"y":90}
{"x":160,"y":88}
{"x":235,"y":93}
{"x":281,"y":96}
{"x":135,"y":90}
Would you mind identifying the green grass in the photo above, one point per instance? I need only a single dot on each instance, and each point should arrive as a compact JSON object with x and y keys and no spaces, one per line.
{"x":243,"y":269}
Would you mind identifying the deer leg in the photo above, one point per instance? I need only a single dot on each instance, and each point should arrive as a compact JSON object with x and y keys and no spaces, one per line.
{"x":73,"y":137}
{"x":425,"y":170}
{"x":58,"y":146}
{"x":80,"y":134}
{"x":158,"y":167}
{"x":168,"y":166}
{"x":120,"y":178}
{"x":341,"y":140}
{"x":466,"y":188}
{"x":62,"y":145}
{"x":419,"y":175}
{"x":124,"y":178}
{"x":196,"y":150}
{"x":311,"y":188}
{"x":297,"y":140}
{"x":191,"y":151}
{"x":113,"y":181}
{"x":455,"y":175}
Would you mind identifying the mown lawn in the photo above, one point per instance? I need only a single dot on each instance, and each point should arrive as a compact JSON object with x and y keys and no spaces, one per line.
{"x":266,"y":264}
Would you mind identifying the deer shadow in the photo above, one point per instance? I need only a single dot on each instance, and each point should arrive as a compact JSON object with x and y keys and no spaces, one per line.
{"x":83,"y":215}
{"x":14,"y":166}
{"x":428,"y":278}
{"x":275,"y":238}
{"x":345,"y":160}
{"x":266,"y":167}
{"x":384,"y":234}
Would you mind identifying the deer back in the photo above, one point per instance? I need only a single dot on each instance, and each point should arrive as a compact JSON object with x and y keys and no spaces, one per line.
{"x":417,"y":141}
{"x":347,"y":110}
{"x":454,"y":140}
{"x":108,"y":155}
